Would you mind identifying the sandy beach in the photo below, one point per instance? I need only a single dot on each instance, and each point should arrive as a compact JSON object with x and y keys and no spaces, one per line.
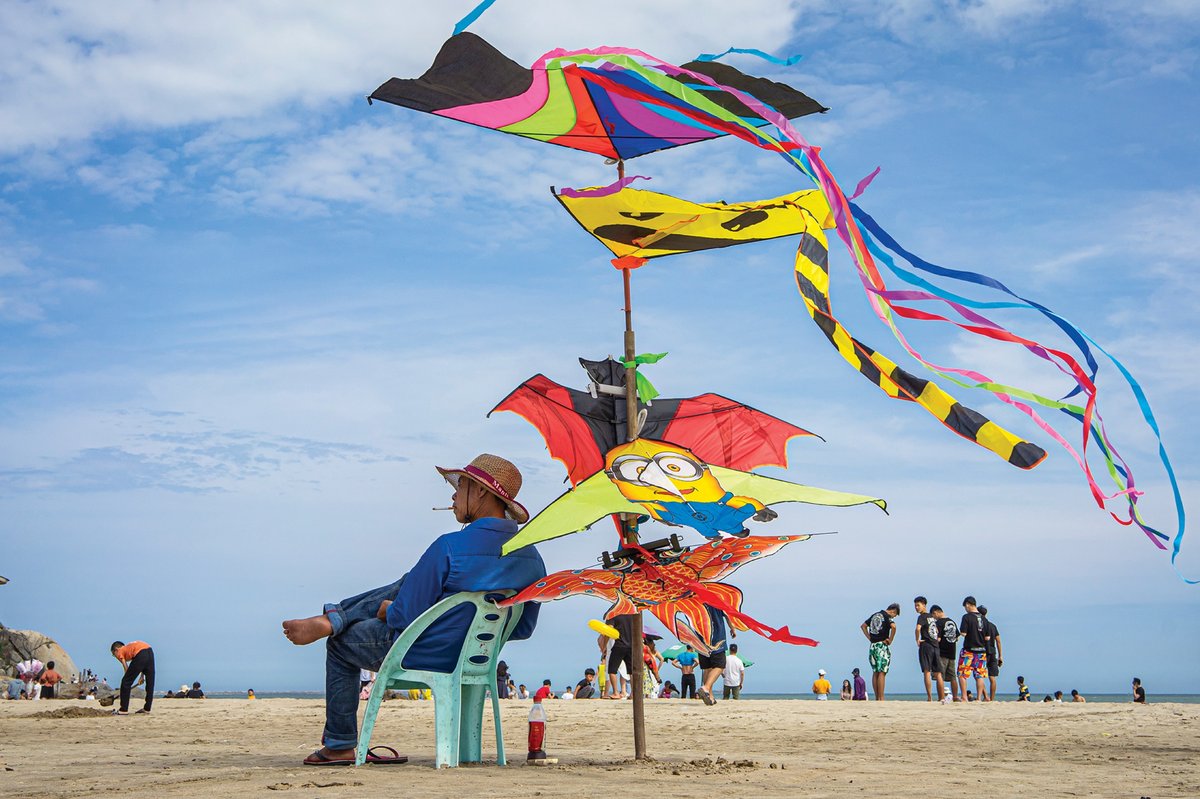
{"x":235,"y":748}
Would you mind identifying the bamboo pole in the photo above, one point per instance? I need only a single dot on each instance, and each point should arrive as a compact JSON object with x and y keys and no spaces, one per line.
{"x":637,"y":672}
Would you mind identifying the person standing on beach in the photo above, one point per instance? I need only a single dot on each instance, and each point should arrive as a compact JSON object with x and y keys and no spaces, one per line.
{"x":880,"y":630}
{"x":995,"y":653}
{"x":360,"y":630}
{"x":947,"y":644}
{"x":620,"y":653}
{"x":137,"y":659}
{"x":821,"y":686}
{"x":927,"y":647}
{"x":973,"y":659}
{"x":734,"y":674}
{"x":686,"y":661}
{"x":49,"y":679}
{"x":860,"y":686}
{"x":1139,"y":693}
{"x":502,"y":680}
{"x":712,"y":665}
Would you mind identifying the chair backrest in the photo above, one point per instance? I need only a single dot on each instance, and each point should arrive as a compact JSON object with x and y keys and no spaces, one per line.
{"x":489,"y":630}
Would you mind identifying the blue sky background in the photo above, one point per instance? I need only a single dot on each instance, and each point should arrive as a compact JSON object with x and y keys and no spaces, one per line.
{"x":244,"y":313}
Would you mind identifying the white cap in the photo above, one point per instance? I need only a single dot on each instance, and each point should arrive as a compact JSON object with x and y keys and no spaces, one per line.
{"x":821,"y":672}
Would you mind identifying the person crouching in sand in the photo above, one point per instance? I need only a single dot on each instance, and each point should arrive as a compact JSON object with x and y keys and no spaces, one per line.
{"x":360,"y":630}
{"x":137,"y":659}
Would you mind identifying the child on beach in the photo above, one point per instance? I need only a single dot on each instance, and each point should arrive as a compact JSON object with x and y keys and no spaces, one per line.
{"x":1022,"y":690}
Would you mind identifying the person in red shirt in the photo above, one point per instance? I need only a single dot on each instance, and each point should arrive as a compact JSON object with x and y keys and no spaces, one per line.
{"x":545,"y":692}
{"x":137,"y":659}
{"x":48,"y":680}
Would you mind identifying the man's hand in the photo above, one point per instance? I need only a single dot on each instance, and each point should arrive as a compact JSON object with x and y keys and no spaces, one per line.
{"x":383,"y":608}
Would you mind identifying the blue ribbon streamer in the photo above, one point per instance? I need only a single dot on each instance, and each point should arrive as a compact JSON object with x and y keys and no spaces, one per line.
{"x":783,"y":62}
{"x":466,"y":21}
{"x":1080,"y":338}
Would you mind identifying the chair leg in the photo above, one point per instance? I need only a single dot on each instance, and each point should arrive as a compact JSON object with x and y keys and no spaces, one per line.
{"x":368,"y":722}
{"x":500,"y":759}
{"x":447,"y":710}
{"x":470,"y":738}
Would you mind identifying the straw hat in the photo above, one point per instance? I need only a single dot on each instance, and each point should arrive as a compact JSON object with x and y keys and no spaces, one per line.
{"x":497,"y":475}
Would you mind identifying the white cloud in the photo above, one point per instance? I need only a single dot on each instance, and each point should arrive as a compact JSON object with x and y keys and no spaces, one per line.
{"x":77,"y":70}
{"x":133,"y":178}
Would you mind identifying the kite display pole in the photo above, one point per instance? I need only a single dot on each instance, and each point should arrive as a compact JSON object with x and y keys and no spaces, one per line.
{"x":637,"y":672}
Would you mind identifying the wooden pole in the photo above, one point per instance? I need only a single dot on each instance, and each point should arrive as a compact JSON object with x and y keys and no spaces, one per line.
{"x":637,"y":673}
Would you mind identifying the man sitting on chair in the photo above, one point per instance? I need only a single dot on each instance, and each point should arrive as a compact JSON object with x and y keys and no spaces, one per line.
{"x":360,"y":630}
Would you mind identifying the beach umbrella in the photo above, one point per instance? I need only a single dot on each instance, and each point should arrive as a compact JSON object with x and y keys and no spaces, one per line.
{"x":579,"y":100}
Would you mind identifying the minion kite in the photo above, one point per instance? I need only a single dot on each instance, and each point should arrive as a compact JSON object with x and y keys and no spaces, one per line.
{"x":675,"y":487}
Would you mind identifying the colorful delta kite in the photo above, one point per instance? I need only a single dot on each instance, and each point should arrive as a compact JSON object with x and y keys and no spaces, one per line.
{"x":579,"y":100}
{"x":623,"y":103}
{"x":678,"y":586}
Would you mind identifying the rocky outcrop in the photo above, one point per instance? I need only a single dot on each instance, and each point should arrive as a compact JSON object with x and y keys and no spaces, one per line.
{"x":22,"y":644}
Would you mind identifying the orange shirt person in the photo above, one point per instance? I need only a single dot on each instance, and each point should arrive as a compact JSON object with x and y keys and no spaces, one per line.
{"x":137,"y":659}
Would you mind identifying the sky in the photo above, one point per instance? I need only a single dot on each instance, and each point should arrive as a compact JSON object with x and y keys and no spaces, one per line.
{"x":244,"y":314}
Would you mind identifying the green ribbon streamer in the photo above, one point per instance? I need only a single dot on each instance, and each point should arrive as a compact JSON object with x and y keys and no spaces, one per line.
{"x":645,"y":389}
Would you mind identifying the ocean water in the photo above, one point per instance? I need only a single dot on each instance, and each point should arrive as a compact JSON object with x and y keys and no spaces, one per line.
{"x":1189,"y":699}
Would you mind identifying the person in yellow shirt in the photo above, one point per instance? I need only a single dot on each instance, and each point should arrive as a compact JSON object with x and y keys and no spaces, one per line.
{"x":821,"y":686}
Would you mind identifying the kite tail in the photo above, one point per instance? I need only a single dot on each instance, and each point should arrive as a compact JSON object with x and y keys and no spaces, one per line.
{"x":1118,"y":469}
{"x":793,"y":147}
{"x":812,"y":279}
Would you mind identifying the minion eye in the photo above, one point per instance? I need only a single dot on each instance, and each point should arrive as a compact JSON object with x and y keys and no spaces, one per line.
{"x":629,"y":468}
{"x":678,"y":467}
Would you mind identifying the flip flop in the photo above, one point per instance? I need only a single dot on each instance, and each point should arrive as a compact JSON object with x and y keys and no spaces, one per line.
{"x":707,"y":696}
{"x":319,"y":758}
{"x":386,"y":760}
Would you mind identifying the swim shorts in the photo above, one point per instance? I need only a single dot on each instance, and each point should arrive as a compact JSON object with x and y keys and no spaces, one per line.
{"x":972,"y":663}
{"x":927,"y":654}
{"x":880,"y":657}
{"x":993,"y":665}
{"x":620,"y":654}
{"x":948,"y":665}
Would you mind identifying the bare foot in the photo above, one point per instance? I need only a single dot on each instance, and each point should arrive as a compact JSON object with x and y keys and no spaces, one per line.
{"x":305,"y":631}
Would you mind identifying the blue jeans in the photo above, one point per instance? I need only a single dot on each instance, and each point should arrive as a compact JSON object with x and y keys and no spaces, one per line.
{"x":359,"y":641}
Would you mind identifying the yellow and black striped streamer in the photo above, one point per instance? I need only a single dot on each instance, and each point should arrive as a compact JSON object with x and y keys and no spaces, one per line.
{"x":812,"y":278}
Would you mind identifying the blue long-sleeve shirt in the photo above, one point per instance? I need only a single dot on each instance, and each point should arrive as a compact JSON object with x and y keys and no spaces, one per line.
{"x":466,"y":560}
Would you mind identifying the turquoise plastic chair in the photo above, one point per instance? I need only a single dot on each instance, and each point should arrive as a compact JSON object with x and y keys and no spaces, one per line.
{"x":457,"y":695}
